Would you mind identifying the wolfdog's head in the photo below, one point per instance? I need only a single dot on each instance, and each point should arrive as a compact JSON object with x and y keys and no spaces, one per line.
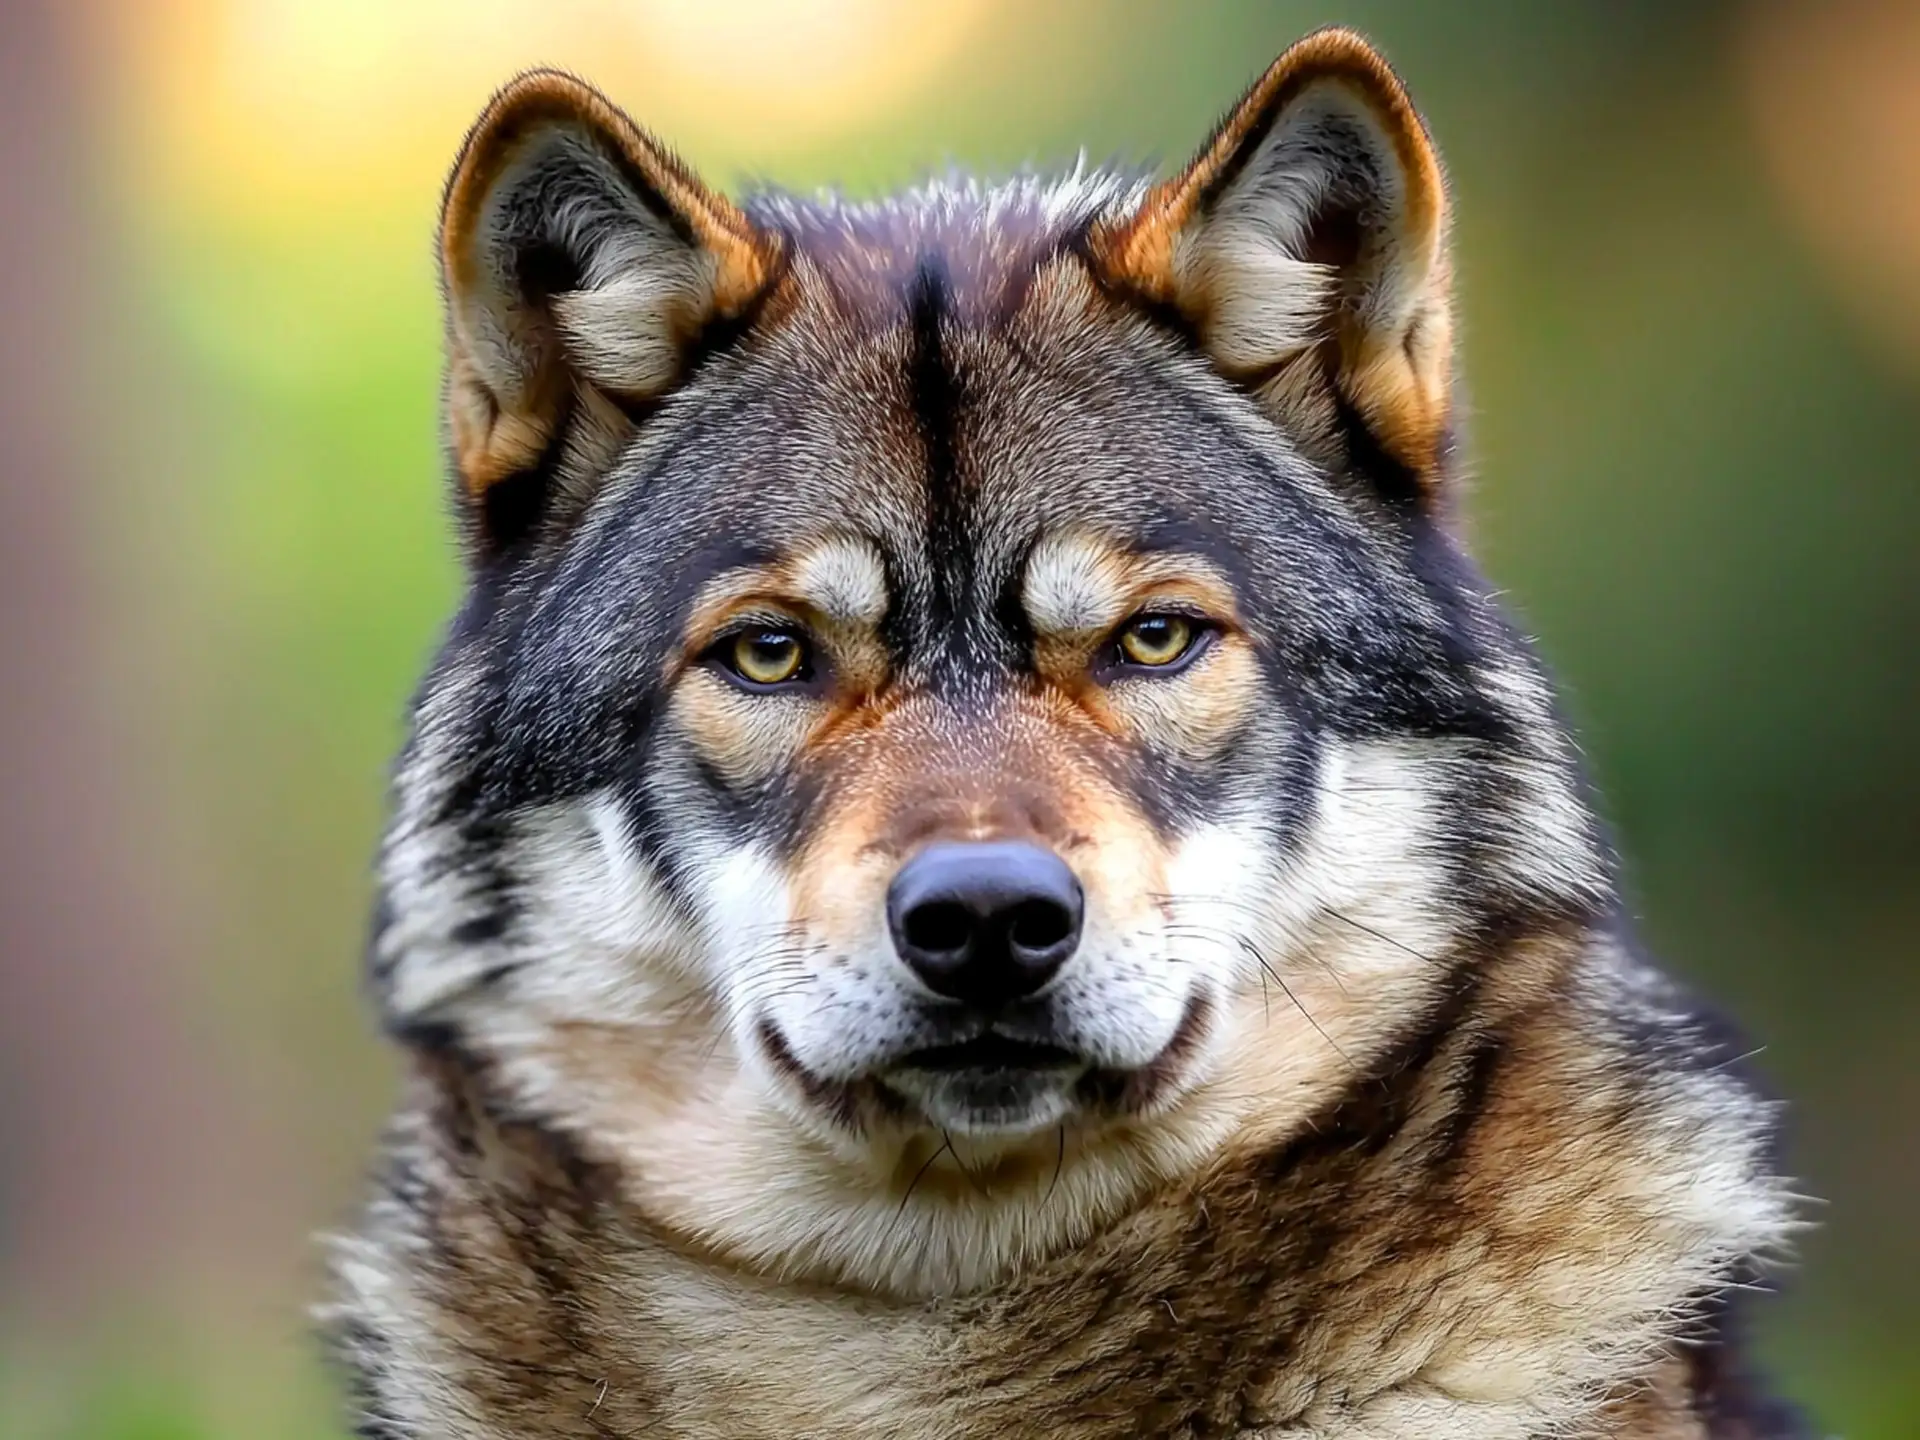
{"x":978,"y":687}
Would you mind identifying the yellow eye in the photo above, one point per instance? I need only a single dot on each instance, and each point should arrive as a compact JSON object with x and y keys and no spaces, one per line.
{"x":1156,"y":641}
{"x":766,"y":657}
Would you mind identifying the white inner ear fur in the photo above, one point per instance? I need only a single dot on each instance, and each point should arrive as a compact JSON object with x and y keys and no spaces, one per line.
{"x":1246,"y":252}
{"x":643,"y":286}
{"x":627,"y":336}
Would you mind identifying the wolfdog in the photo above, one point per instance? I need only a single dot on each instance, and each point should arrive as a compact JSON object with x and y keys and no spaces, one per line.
{"x":979,"y":862}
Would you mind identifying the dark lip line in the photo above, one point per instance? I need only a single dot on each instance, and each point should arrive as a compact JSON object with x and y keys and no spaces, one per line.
{"x":1126,"y":1091}
{"x":990,"y":1050}
{"x":1141,"y":1088}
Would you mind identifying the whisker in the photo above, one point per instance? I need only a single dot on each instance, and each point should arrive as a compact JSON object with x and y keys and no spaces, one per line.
{"x":946,"y":1145}
{"x":1059,"y":1164}
{"x":1383,"y":938}
{"x":1286,"y":990}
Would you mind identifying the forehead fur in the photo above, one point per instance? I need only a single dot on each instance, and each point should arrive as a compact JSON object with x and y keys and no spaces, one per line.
{"x":986,"y":240}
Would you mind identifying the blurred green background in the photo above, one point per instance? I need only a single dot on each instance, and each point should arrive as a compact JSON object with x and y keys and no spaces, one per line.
{"x":1688,"y":245}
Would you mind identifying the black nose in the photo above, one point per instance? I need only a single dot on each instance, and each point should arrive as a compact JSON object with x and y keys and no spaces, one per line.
{"x":986,"y":922}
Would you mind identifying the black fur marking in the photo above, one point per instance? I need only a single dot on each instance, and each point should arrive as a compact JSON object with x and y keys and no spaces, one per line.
{"x":1293,"y":793}
{"x":725,"y":555}
{"x":1391,"y":479}
{"x":773,"y":812}
{"x":481,"y":929}
{"x":1478,"y":1069}
{"x":512,"y":508}
{"x":936,"y":399}
{"x":435,"y":1039}
{"x":1009,"y":610}
{"x":897,"y":626}
{"x":652,"y":835}
{"x":643,"y":187}
{"x":1438,"y":696}
{"x":542,"y":269}
{"x":1167,"y":531}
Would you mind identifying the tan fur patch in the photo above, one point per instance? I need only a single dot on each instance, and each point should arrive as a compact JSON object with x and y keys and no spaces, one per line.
{"x":1078,"y":588}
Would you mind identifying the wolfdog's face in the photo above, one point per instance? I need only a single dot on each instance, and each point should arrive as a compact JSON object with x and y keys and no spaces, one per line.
{"x":970,"y":666}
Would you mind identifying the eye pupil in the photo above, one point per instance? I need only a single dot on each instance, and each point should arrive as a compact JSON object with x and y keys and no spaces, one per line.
{"x":767,"y":657}
{"x":1154,"y":641}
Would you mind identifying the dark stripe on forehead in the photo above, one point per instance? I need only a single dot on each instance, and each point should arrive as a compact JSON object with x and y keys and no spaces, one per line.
{"x":936,"y":398}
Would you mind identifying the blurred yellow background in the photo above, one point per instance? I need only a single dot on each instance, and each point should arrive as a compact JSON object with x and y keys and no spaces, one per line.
{"x":1689,"y":265}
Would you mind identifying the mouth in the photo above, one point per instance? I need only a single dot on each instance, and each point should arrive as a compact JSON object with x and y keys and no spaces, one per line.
{"x":991,"y":1084}
{"x":990,"y":1052}
{"x":995,"y":1084}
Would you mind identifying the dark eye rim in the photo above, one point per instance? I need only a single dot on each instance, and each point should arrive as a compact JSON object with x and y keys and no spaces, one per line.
{"x":810,"y":678}
{"x":1115,"y":664}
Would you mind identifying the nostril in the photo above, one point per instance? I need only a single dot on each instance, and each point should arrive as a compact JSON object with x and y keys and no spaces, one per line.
{"x":939,"y":928}
{"x":1038,"y":925}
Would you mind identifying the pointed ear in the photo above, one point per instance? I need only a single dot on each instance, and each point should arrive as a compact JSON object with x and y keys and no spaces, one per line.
{"x":1305,"y":247}
{"x":581,"y":264}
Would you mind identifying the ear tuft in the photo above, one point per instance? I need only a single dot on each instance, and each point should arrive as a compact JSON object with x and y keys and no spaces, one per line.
{"x":1305,"y":245}
{"x":582,"y":262}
